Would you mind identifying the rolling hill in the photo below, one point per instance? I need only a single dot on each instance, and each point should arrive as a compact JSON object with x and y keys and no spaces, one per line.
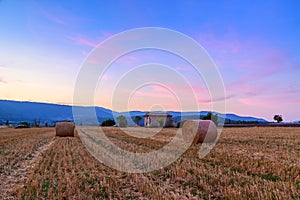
{"x":19,"y":111}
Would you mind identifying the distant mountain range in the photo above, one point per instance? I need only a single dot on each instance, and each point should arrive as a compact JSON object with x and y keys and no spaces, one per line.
{"x":33,"y":112}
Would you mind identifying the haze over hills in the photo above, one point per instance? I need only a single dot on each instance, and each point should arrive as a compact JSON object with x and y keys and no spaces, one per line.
{"x":18,"y":111}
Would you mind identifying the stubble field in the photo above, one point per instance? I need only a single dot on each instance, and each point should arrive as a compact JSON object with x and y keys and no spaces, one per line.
{"x":246,"y":163}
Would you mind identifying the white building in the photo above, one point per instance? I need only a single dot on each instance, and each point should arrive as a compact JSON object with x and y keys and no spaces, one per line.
{"x":157,"y":119}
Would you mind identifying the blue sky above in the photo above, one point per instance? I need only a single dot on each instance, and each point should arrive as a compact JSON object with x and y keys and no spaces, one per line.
{"x":255,"y":45}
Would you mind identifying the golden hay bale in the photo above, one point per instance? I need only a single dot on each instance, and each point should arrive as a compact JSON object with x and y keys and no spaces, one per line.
{"x":199,"y":131}
{"x":65,"y":129}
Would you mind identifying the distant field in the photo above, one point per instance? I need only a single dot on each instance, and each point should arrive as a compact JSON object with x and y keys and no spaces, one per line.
{"x":246,"y":163}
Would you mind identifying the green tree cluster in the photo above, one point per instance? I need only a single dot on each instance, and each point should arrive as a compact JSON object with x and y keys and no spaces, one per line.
{"x":108,"y":122}
{"x":137,"y":119}
{"x":211,"y":116}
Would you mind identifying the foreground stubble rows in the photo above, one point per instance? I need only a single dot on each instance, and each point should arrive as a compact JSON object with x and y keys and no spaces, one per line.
{"x":246,"y":163}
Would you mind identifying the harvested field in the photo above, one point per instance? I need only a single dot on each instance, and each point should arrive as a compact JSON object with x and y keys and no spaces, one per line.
{"x":246,"y":163}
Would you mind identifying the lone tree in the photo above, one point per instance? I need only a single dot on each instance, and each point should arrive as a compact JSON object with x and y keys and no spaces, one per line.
{"x":122,"y":121}
{"x":278,"y":118}
{"x":137,"y":119}
{"x":212,"y":117}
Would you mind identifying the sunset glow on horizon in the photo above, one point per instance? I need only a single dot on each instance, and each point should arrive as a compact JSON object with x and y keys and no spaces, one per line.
{"x":255,"y":46}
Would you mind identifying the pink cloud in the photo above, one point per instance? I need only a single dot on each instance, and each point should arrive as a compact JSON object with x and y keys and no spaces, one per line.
{"x":160,"y":88}
{"x":211,"y":42}
{"x":268,"y":105}
{"x":293,"y":89}
{"x":127,"y":60}
{"x":253,"y":56}
{"x":60,"y":15}
{"x":83,"y":41}
{"x":92,"y":58}
{"x":148,"y":96}
{"x":154,"y":95}
{"x":159,"y":91}
{"x":246,"y":89}
{"x":246,"y":64}
{"x":252,"y":102}
{"x":134,"y":58}
{"x":249,"y":65}
{"x":92,"y":42}
{"x":183,"y":68}
{"x":105,"y":77}
{"x":202,"y":95}
{"x":53,"y":18}
{"x":265,"y":100}
{"x":155,"y":91}
{"x":212,"y":100}
{"x":179,"y":89}
{"x":267,"y":64}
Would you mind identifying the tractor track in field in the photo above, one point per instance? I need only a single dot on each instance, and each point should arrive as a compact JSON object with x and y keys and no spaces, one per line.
{"x":19,"y":175}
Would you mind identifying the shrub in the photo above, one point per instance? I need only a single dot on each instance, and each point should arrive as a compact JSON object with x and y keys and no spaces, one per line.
{"x":122,"y":121}
{"x":108,"y":122}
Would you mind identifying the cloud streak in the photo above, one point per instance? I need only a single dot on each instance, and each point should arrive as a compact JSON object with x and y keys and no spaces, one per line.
{"x":246,"y":63}
{"x":81,"y":40}
{"x":52,"y":18}
{"x":88,"y":41}
{"x":268,"y":63}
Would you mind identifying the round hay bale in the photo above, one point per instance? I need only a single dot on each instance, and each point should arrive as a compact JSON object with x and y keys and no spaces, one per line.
{"x":65,"y":129}
{"x":199,"y":131}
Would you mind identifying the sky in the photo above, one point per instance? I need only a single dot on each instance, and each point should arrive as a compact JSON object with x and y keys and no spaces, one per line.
{"x":254,"y":44}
